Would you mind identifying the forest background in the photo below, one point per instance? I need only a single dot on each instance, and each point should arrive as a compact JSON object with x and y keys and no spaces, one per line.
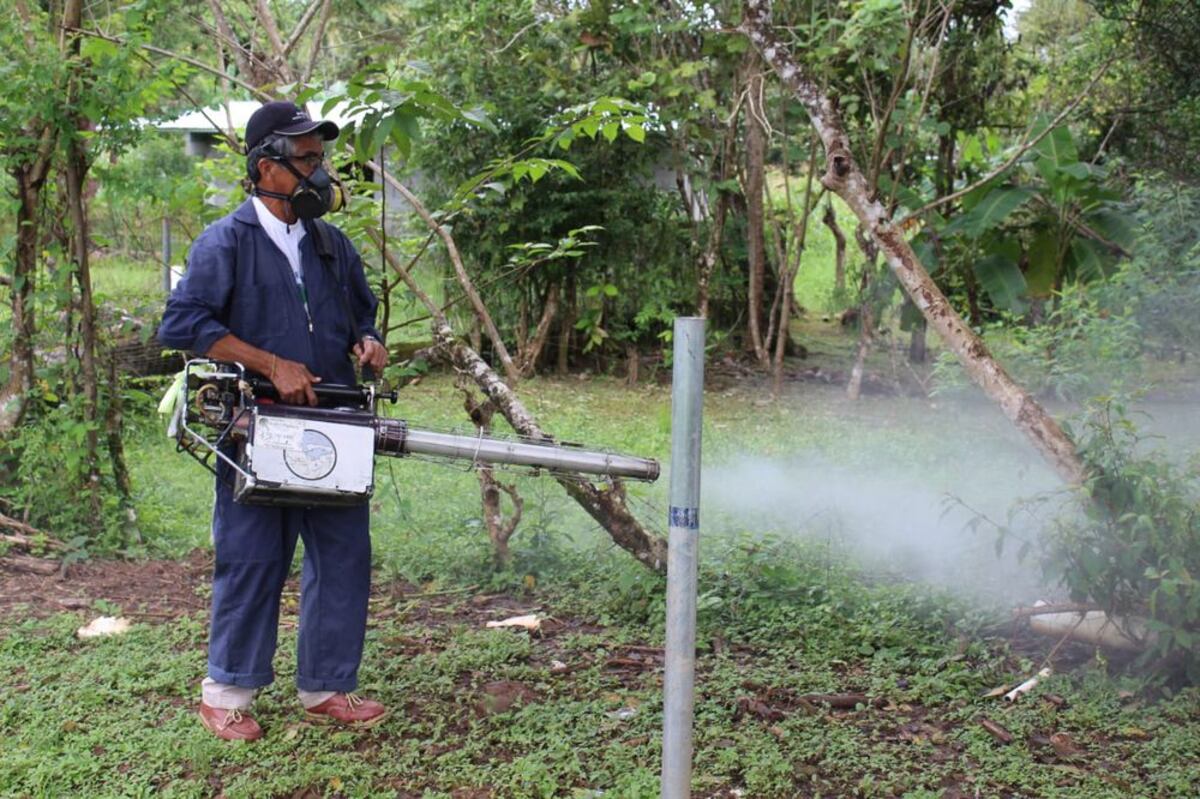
{"x":875,"y":198}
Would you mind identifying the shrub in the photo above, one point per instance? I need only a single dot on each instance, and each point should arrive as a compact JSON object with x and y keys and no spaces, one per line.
{"x":1135,"y":548}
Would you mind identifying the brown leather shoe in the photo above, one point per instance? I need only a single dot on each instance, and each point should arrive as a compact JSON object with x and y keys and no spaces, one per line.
{"x":229,"y":725}
{"x":349,"y":709}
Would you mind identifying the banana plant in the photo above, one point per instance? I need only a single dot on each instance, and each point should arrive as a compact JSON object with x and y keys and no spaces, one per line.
{"x":1048,"y":222}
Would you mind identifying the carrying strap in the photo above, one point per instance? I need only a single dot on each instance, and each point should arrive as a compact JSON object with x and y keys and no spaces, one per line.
{"x":323,"y":243}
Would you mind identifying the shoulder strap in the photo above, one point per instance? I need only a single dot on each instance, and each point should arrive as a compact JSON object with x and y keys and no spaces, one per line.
{"x":323,"y":244}
{"x":322,"y":241}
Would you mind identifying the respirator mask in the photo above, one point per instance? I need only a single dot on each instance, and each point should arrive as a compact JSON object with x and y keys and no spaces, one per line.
{"x":315,"y":195}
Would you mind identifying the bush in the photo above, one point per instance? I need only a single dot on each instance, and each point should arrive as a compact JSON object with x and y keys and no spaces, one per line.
{"x":43,"y":468}
{"x":1135,"y":548}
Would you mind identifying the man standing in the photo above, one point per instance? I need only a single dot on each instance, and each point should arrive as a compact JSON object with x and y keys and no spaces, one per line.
{"x":261,"y":290}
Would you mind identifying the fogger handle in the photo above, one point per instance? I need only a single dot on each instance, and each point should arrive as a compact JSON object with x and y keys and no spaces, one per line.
{"x":328,"y":394}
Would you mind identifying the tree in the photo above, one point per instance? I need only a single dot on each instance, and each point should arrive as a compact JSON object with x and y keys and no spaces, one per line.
{"x":89,"y":95}
{"x":843,"y":177}
{"x":33,"y":69}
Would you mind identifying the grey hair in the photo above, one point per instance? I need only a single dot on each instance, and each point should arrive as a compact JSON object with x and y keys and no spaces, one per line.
{"x":274,"y":144}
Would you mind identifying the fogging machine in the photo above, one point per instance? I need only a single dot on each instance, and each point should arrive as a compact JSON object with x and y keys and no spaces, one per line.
{"x":325,"y":455}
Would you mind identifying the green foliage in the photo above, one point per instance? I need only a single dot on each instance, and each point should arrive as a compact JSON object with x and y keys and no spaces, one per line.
{"x":1135,"y":549}
{"x":1087,"y":344}
{"x":1055,"y":221}
{"x":43,"y":466}
{"x":1164,"y":281}
{"x":152,"y":180}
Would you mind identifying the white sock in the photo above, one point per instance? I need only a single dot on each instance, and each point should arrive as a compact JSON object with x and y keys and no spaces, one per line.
{"x":224,"y":696}
{"x":311,"y":699}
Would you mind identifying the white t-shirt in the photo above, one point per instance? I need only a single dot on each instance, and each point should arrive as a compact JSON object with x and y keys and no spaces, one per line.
{"x":286,"y":237}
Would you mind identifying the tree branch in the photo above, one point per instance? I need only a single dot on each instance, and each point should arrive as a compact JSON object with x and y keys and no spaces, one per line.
{"x":241,"y":54}
{"x":1026,"y":145}
{"x":318,"y":37}
{"x":302,"y":25}
{"x":259,"y":93}
{"x":481,"y":311}
{"x":844,"y":178}
{"x":267,"y":19}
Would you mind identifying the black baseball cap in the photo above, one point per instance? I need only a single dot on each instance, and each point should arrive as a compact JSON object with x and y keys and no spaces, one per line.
{"x":285,"y":118}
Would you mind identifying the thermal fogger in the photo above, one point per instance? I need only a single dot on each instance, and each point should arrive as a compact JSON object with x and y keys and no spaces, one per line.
{"x":282,"y":454}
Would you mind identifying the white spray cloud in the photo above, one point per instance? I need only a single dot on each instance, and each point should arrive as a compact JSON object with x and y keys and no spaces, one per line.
{"x":894,"y":520}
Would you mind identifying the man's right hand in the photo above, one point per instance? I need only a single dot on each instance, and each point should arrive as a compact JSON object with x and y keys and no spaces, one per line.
{"x":294,"y":382}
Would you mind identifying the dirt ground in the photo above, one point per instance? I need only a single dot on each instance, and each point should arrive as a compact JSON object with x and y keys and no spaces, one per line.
{"x":144,"y":589}
{"x":149,"y":590}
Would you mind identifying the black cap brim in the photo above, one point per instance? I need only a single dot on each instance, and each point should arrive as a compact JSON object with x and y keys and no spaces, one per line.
{"x":328,"y":130}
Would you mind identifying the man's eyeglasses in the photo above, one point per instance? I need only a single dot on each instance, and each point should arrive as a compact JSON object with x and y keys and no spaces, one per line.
{"x":309,"y":162}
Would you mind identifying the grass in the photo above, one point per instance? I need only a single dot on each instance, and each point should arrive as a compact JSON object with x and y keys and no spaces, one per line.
{"x":791,"y":604}
{"x":127,"y":283}
{"x":114,"y":717}
{"x":783,"y":613}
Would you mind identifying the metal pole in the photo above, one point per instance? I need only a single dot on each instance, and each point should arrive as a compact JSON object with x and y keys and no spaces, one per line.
{"x":527,"y":453}
{"x":166,"y":254}
{"x":687,"y":400}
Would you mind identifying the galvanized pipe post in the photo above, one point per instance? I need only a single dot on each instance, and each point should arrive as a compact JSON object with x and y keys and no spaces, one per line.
{"x":687,"y":400}
{"x":166,"y":254}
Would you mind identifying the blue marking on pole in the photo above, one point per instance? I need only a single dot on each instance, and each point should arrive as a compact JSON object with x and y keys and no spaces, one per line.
{"x":687,"y":518}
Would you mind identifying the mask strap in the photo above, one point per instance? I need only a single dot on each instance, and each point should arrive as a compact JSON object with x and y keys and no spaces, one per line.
{"x":272,"y":194}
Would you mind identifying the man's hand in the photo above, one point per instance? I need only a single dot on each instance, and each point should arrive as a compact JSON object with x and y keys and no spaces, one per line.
{"x":371,"y":353}
{"x":294,"y":382}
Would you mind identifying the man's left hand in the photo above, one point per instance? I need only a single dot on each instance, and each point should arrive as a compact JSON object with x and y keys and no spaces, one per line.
{"x":371,"y":353}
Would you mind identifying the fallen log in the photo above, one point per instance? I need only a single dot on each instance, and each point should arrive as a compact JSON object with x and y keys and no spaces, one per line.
{"x":32,"y":565}
{"x":839,"y":701}
{"x":28,"y":537}
{"x":996,"y":731}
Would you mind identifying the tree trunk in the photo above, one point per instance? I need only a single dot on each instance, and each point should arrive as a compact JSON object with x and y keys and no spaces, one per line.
{"x":839,"y":238}
{"x":712,"y":254}
{"x":114,"y":424}
{"x":521,"y":332}
{"x":566,"y":328}
{"x":791,"y":267}
{"x":756,"y":144}
{"x":865,"y":326}
{"x":916,"y":343}
{"x":75,"y":171}
{"x":499,"y":529}
{"x":528,"y":355}
{"x":716,"y":230}
{"x":75,"y":175}
{"x":13,"y":398}
{"x":844,"y":178}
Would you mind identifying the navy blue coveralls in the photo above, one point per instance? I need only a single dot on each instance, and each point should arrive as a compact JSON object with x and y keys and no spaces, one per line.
{"x":239,"y":282}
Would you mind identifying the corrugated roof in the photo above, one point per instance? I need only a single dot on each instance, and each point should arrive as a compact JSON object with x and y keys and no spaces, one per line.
{"x":239,"y":113}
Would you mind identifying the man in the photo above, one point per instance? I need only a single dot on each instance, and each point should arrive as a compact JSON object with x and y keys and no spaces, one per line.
{"x":258,"y":291}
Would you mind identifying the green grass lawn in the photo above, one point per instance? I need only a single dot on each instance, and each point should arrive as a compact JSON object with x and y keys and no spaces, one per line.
{"x":787,"y":609}
{"x":576,"y":710}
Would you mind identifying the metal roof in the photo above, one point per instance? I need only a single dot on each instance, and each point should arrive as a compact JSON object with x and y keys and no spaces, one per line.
{"x":239,"y":111}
